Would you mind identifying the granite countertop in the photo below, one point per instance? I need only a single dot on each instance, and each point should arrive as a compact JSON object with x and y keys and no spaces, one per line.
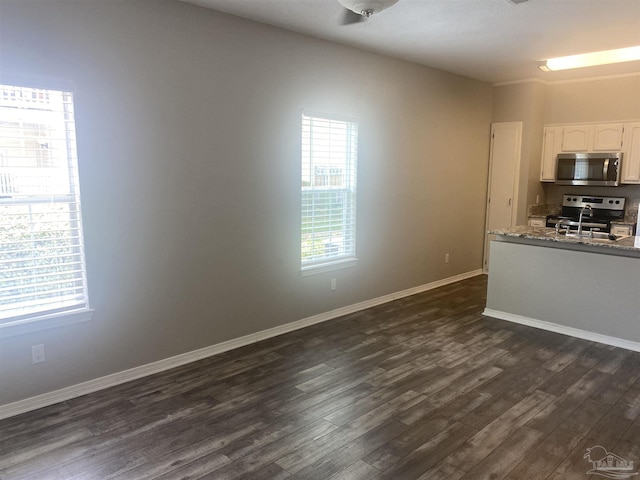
{"x":628,"y":244}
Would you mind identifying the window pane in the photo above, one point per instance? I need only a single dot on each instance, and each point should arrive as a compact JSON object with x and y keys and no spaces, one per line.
{"x":329,"y":157}
{"x":41,"y":249}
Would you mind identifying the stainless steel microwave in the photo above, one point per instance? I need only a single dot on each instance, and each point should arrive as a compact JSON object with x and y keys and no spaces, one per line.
{"x":595,"y":169}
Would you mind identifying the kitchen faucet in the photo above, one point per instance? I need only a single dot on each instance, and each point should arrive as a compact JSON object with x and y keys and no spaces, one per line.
{"x":561,"y":222}
{"x":580,"y":219}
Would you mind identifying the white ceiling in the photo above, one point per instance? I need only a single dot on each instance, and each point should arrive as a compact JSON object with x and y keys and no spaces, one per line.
{"x":490,"y":40}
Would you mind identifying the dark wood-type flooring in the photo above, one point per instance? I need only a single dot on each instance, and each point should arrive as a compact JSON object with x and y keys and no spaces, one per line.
{"x":424,"y":387}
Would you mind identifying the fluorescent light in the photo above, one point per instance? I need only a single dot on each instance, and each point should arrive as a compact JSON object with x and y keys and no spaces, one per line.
{"x":605,"y":57}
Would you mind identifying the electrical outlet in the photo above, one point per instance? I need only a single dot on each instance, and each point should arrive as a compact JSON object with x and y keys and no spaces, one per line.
{"x":446,"y":258}
{"x":333,"y":284}
{"x":37,"y":353}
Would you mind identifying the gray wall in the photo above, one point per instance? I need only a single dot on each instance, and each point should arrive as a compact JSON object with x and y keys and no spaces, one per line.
{"x":188,"y":137}
{"x":524,"y":102}
{"x":609,"y":99}
{"x":588,"y":291}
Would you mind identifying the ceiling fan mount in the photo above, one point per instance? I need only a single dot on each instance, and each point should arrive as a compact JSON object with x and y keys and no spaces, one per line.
{"x":358,"y":10}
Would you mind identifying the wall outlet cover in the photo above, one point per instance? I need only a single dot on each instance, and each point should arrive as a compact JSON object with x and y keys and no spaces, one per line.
{"x":37,"y":353}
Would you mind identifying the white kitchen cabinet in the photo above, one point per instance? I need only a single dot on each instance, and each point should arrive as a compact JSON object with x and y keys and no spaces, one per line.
{"x":551,"y":146}
{"x":576,"y":138}
{"x":631,"y":154}
{"x":591,"y":137}
{"x":607,"y":137}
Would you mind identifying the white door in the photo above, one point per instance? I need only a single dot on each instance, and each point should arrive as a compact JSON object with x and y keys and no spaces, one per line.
{"x":504,"y":169}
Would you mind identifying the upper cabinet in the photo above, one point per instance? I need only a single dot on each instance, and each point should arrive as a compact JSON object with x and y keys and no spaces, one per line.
{"x":551,"y":146}
{"x":576,"y":138}
{"x":631,"y":154}
{"x":607,"y":137}
{"x":602,"y":137}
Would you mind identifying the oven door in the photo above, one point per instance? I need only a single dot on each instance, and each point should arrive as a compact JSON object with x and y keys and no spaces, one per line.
{"x":595,"y":169}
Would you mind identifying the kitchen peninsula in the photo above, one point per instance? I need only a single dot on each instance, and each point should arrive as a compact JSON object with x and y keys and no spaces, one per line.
{"x":587,"y":288}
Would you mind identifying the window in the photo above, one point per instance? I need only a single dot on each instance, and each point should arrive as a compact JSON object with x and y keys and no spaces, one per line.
{"x":329,"y":157}
{"x":42,"y":268}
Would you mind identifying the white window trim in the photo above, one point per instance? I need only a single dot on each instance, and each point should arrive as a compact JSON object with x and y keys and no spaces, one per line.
{"x":44,"y":322}
{"x":342,"y":262}
{"x":328,"y":267}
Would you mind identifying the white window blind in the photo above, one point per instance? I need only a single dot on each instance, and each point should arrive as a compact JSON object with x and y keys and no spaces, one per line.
{"x":42,"y":268}
{"x":329,"y":160}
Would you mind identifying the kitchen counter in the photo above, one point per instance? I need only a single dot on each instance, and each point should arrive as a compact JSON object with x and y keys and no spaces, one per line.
{"x":543,"y":236}
{"x":582,"y":287}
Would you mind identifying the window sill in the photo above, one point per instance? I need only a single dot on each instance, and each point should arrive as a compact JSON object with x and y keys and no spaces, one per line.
{"x":328,"y":267}
{"x":44,"y":322}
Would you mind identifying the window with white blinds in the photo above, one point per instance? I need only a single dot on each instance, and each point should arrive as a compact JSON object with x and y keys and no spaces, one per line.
{"x":42,"y":268}
{"x":329,"y":160}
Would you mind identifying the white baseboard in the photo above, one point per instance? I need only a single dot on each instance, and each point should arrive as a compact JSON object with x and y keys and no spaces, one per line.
{"x":572,"y":332}
{"x":67,"y":393}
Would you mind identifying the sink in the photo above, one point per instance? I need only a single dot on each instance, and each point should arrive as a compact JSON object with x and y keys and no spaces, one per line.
{"x":596,"y":236}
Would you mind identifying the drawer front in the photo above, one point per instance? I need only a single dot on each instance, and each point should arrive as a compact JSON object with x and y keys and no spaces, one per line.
{"x":621,"y":229}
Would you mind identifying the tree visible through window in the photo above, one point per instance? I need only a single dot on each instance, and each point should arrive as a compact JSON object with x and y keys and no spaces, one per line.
{"x":42,"y":268}
{"x":329,"y":158}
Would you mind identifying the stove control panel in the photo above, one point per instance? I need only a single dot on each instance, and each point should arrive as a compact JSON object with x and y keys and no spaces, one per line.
{"x":600,"y":203}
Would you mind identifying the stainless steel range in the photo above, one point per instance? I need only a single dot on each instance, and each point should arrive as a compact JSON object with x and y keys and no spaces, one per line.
{"x":597,"y":212}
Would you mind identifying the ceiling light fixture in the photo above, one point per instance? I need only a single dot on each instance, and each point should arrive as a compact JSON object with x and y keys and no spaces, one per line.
{"x":605,"y":57}
{"x":366,"y":8}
